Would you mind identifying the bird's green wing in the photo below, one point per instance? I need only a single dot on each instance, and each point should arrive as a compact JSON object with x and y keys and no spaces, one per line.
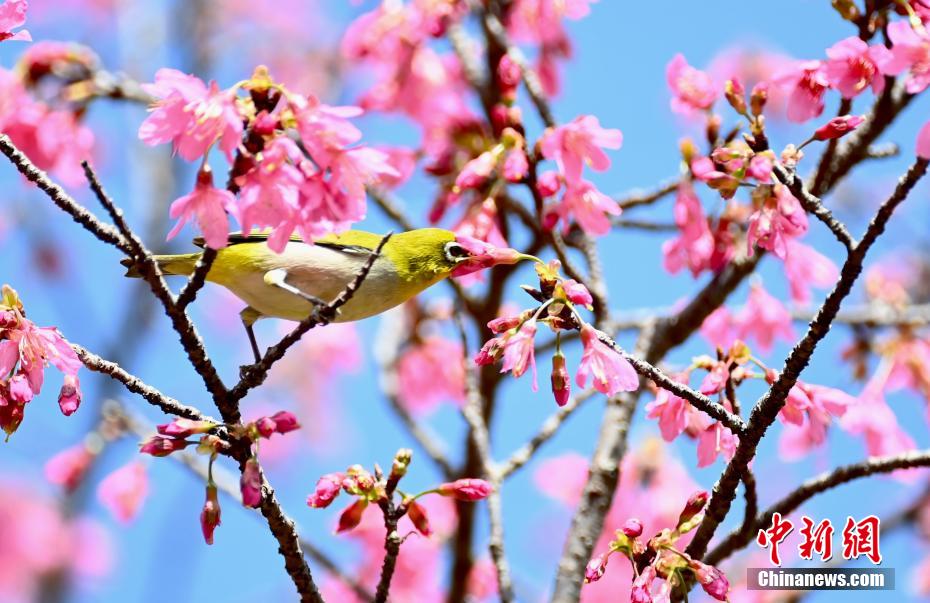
{"x":351,"y":241}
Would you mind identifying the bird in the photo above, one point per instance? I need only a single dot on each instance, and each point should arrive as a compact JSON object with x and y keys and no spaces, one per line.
{"x":290,"y":284}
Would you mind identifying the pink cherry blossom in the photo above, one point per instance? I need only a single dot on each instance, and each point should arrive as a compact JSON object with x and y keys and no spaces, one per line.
{"x":68,"y":468}
{"x":853,"y":66}
{"x":518,"y":352}
{"x":476,"y":171}
{"x":764,"y":318}
{"x":876,"y":423}
{"x":468,"y":489}
{"x":562,"y":477}
{"x":589,"y":207}
{"x":805,"y":83}
{"x":806,"y":267}
{"x":207,"y":206}
{"x":694,"y":246}
{"x":692,"y":88}
{"x":327,"y":489}
{"x":250,"y":484}
{"x":819,"y":404}
{"x":713,"y":441}
{"x":923,"y":141}
{"x":611,"y":372}
{"x":13,"y":15}
{"x":540,"y":21}
{"x":675,"y":414}
{"x":430,"y":372}
{"x":191,"y":115}
{"x":577,"y":143}
{"x":123,"y":491}
{"x":780,"y":218}
{"x":910,"y":52}
{"x":720,"y":328}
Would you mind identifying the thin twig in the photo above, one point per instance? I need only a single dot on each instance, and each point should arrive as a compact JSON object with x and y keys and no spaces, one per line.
{"x":813,"y":205}
{"x":197,"y":278}
{"x":638,"y":197}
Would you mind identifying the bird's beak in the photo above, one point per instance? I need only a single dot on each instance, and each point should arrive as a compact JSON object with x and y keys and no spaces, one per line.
{"x":484,"y":255}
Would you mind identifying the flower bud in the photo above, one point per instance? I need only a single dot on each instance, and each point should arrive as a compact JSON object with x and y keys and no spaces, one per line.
{"x":285,"y":422}
{"x":508,"y":73}
{"x":595,"y":569}
{"x":476,"y":171}
{"x":265,"y":426}
{"x":695,"y":505}
{"x":466,"y":489}
{"x":251,"y":484}
{"x":401,"y":462}
{"x":735,"y":95}
{"x":351,"y":516}
{"x":505,"y":323}
{"x":20,"y":392}
{"x":162,"y":446}
{"x":838,"y":127}
{"x":69,"y":398}
{"x":548,"y":183}
{"x":490,"y":352}
{"x":847,"y":9}
{"x":712,"y":580}
{"x":418,"y":517}
{"x":577,"y":293}
{"x":327,"y":489}
{"x":182,"y":428}
{"x":758,"y":97}
{"x":516,"y":165}
{"x":561,"y":380}
{"x":632,"y":527}
{"x":210,"y":515}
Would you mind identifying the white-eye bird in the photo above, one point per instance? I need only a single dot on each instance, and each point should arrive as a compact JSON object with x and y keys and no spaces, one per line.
{"x":287,"y":284}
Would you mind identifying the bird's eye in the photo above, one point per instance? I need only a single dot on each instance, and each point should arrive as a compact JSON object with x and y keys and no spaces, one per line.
{"x":455,"y":252}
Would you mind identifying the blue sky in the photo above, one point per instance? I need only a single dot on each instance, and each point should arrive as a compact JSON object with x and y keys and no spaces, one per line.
{"x":617,"y":74}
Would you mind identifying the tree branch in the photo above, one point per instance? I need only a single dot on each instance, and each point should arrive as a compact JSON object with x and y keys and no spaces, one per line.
{"x":813,"y":205}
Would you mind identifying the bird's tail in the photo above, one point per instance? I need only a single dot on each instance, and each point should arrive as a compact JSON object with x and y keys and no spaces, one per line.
{"x":170,"y":264}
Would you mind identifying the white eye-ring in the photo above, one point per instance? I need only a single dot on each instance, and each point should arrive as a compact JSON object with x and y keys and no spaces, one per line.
{"x":455,"y":252}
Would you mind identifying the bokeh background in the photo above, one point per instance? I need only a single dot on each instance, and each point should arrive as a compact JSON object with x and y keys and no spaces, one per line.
{"x":68,"y":279}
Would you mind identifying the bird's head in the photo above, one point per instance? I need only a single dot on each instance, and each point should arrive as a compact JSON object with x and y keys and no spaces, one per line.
{"x":444,"y":253}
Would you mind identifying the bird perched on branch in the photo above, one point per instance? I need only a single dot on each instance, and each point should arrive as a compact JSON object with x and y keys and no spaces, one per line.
{"x":289,"y":284}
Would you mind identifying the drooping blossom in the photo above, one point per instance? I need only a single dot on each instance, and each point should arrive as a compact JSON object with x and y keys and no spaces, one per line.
{"x":853,"y":66}
{"x":779,"y":219}
{"x":675,"y":414}
{"x":764,"y":318}
{"x":692,"y":88}
{"x":589,"y":207}
{"x":579,"y":143}
{"x":838,"y":127}
{"x":561,"y":381}
{"x":68,"y":468}
{"x":805,"y":83}
{"x":519,"y":351}
{"x":250,"y":484}
{"x":207,"y":206}
{"x":210,"y":515}
{"x":430,"y":372}
{"x":873,"y":420}
{"x":910,"y":52}
{"x":123,"y":491}
{"x":818,"y":405}
{"x":805,"y":267}
{"x":611,"y":372}
{"x":327,"y":489}
{"x":191,"y":115}
{"x":694,"y":245}
{"x":13,"y":16}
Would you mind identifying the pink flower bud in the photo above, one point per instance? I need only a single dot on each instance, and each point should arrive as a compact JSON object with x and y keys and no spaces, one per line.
{"x":758,"y":97}
{"x":68,"y":468}
{"x":418,"y":517}
{"x":712,"y":580}
{"x":577,"y":293}
{"x":516,"y":165}
{"x":20,"y":392}
{"x":561,"y":380}
{"x":162,"y":446}
{"x":265,"y":426}
{"x":632,"y":527}
{"x":838,"y":127}
{"x":490,"y":352}
{"x":695,"y":505}
{"x":508,"y":73}
{"x":466,"y":489}
{"x":352,"y":515}
{"x":760,"y":167}
{"x":285,"y":422}
{"x":251,"y":484}
{"x":476,"y":171}
{"x":735,"y":95}
{"x":69,"y":399}
{"x":327,"y":489}
{"x":182,"y":428}
{"x":595,"y":569}
{"x":548,"y":183}
{"x":505,"y":323}
{"x":210,"y":515}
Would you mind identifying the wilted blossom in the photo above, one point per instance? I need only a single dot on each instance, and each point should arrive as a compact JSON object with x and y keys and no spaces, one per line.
{"x":123,"y":491}
{"x":778,"y":219}
{"x":191,"y":115}
{"x":207,"y":206}
{"x":429,"y":372}
{"x":910,"y":52}
{"x":805,"y":83}
{"x":692,"y":88}
{"x":12,"y":16}
{"x":579,"y":143}
{"x":610,"y":371}
{"x":853,"y":66}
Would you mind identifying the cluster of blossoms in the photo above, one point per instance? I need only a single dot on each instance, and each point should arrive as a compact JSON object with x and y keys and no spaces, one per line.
{"x":369,"y":488}
{"x":172,"y":437}
{"x":13,"y":16}
{"x":25,"y":352}
{"x":293,"y":166}
{"x":516,"y":335}
{"x":659,"y":566}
